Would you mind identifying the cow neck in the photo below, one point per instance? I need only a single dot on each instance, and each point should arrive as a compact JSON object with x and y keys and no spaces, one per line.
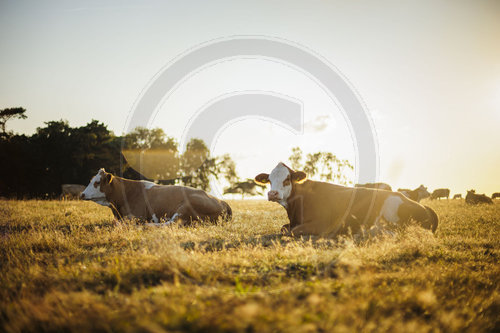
{"x":121,"y":193}
{"x":291,"y":198}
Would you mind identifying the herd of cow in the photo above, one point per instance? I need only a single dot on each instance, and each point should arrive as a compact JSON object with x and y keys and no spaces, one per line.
{"x":313,"y":207}
{"x":421,"y":193}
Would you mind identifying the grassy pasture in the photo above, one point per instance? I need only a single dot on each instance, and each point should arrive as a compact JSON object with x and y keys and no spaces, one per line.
{"x":65,"y":266}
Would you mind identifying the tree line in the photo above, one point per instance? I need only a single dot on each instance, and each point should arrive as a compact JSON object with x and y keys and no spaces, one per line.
{"x":35,"y":166}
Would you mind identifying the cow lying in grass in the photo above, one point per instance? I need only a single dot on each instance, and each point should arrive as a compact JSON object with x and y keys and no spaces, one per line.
{"x":148,"y":201}
{"x":473,"y":199}
{"x":321,"y":208}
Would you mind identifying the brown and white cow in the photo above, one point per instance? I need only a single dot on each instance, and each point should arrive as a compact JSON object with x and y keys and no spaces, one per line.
{"x":322,"y":208}
{"x":380,"y":186}
{"x":149,"y":201}
{"x":495,"y":195}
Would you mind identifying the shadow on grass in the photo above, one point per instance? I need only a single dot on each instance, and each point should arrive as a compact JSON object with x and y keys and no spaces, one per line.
{"x":6,"y":229}
{"x":220,"y":244}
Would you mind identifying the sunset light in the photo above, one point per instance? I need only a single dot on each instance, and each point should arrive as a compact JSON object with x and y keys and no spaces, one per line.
{"x":264,"y":166}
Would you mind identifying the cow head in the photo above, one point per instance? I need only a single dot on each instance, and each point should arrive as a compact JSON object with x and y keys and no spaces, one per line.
{"x":422,"y":192}
{"x":99,"y":185}
{"x":281,"y":179}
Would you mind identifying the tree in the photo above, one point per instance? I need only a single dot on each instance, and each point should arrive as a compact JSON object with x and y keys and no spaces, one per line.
{"x":67,"y":154}
{"x":152,"y":153}
{"x":197,"y":165}
{"x":322,"y":165}
{"x":94,"y":147}
{"x":224,"y":165}
{"x":296,"y":158}
{"x":37,"y":165}
{"x":8,"y":114}
{"x":145,"y":138}
{"x":246,"y":187}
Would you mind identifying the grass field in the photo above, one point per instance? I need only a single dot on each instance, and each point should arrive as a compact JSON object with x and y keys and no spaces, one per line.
{"x":65,"y":266}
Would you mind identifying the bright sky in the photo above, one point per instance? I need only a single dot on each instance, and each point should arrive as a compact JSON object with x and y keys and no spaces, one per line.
{"x":427,"y":71}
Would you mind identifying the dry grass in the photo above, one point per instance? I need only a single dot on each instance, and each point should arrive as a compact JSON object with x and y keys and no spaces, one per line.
{"x":65,"y":266}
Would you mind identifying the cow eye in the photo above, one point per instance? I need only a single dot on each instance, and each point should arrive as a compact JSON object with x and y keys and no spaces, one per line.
{"x":286,"y":182}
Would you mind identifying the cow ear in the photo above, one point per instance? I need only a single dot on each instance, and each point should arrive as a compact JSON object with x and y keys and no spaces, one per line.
{"x":262,"y":178}
{"x":109,"y":178}
{"x":299,"y":176}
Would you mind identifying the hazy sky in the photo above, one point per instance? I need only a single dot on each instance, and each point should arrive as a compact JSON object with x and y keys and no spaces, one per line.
{"x":428,"y":72}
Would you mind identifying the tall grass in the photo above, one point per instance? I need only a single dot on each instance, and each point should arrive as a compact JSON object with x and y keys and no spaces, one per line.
{"x":66,"y":266}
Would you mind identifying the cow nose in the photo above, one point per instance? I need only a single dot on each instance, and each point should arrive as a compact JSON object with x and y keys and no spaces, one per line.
{"x":272,"y":196}
{"x":82,"y":196}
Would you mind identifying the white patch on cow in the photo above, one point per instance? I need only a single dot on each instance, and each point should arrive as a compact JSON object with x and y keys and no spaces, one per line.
{"x":377,"y":231}
{"x":147,"y":185}
{"x":390,"y":209}
{"x":173,"y":218}
{"x":93,"y":191}
{"x":157,"y":222}
{"x":102,"y":202}
{"x":279,"y":174}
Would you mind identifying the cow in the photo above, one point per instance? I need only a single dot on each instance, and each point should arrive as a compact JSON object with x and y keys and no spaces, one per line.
{"x":495,"y":195}
{"x":71,"y":191}
{"x":473,"y":199}
{"x":457,"y":196}
{"x":440,"y":193}
{"x":321,"y":208}
{"x":417,"y":194}
{"x":148,"y":201}
{"x":381,"y":186}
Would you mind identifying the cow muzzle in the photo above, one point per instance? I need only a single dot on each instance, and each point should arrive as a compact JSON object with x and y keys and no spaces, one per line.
{"x":273,"y":196}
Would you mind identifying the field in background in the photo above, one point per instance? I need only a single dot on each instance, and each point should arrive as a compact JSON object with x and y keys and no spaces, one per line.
{"x":67,"y":266}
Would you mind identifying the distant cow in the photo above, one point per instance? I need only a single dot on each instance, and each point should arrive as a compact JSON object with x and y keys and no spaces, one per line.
{"x":495,"y":195}
{"x":440,"y":193}
{"x":417,"y":194}
{"x":380,"y":186}
{"x":473,"y":199}
{"x":71,"y":191}
{"x":457,"y":196}
{"x":322,"y":208}
{"x":148,"y":201}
